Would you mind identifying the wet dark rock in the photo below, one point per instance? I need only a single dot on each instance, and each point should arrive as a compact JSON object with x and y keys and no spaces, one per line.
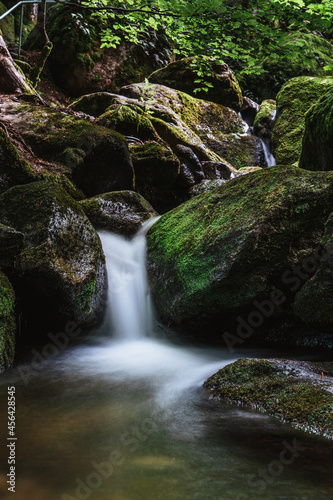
{"x":121,"y":212}
{"x":59,"y":273}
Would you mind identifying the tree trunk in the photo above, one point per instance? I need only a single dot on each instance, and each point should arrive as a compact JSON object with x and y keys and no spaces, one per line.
{"x":11,"y":80}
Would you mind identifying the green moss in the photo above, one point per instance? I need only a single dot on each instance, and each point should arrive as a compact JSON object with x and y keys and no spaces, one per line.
{"x":314,"y":302}
{"x":264,"y":120}
{"x":7,"y":25}
{"x":265,"y":385}
{"x":293,"y":102}
{"x":13,"y":169}
{"x":61,"y":252}
{"x":317,"y":151}
{"x":7,"y":322}
{"x":181,"y":75}
{"x":83,"y":299}
{"x":128,"y":120}
{"x":224,"y":249}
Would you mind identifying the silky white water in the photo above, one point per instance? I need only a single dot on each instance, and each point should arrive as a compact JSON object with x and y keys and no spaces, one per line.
{"x":269,"y":157}
{"x":122,"y":415}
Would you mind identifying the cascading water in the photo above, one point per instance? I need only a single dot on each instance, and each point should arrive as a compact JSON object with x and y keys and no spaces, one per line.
{"x":128,"y":309}
{"x":270,"y":160}
{"x":123,"y":416}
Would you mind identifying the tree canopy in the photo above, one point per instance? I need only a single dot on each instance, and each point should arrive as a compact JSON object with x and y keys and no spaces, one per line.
{"x":239,"y":32}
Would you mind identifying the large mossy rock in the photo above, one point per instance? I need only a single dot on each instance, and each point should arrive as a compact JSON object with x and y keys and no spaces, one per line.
{"x":7,"y":322}
{"x":293,"y":101}
{"x":314,"y":302}
{"x":212,"y":257}
{"x":220,"y":128}
{"x":298,"y":54}
{"x":121,"y":212}
{"x":59,"y":273}
{"x":317,"y":145}
{"x":264,"y":120}
{"x":301,"y":397}
{"x":13,"y":168}
{"x":95,"y":158}
{"x":78,"y":63}
{"x":181,"y":75}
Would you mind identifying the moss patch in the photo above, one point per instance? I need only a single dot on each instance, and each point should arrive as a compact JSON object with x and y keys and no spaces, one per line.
{"x":290,"y":391}
{"x":217,"y":253}
{"x":7,"y":322}
{"x":293,"y":102}
{"x":317,"y":146}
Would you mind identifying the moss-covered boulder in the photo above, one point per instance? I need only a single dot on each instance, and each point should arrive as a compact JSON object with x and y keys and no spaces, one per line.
{"x":317,"y":144}
{"x":7,"y":322}
{"x":78,"y":63}
{"x":297,"y":392}
{"x":121,"y":212}
{"x":157,"y":175}
{"x":298,"y":54}
{"x":13,"y":168}
{"x":293,"y":101}
{"x":265,"y":119}
{"x":213,"y":257}
{"x":219,"y":128}
{"x":314,"y":302}
{"x":95,"y":158}
{"x":59,"y":274}
{"x":181,"y":75}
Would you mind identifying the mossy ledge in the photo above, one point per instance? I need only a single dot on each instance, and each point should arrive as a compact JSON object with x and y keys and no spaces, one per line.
{"x":296,"y":392}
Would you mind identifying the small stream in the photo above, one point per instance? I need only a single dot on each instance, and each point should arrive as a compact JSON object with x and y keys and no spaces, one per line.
{"x":123,"y":416}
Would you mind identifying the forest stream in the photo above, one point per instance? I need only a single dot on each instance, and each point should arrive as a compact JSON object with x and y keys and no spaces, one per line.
{"x":124,"y":416}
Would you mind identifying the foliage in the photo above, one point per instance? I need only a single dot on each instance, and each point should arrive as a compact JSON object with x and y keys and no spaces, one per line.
{"x":238,"y":32}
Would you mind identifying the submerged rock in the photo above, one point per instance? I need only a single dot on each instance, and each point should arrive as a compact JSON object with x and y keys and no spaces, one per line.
{"x":7,"y":322}
{"x":293,"y":101}
{"x":181,"y":75}
{"x":317,"y":145}
{"x":59,"y":273}
{"x":218,"y":255}
{"x":121,"y":212}
{"x":297,"y":392}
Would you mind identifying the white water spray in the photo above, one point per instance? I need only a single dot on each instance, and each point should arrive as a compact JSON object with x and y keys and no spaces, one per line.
{"x":129,"y":308}
{"x":270,"y":160}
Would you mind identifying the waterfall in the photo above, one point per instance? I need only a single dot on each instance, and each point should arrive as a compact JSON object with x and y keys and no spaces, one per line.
{"x":128,"y":310}
{"x":270,"y":160}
